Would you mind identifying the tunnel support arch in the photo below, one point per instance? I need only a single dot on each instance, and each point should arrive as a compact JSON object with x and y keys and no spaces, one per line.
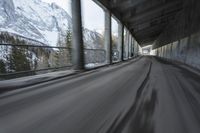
{"x":77,"y":36}
{"x":108,"y":37}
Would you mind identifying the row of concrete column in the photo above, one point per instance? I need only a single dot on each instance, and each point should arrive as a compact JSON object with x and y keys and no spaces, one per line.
{"x":78,"y":48}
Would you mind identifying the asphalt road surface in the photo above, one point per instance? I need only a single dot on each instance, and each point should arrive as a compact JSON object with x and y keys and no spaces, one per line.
{"x":143,"y":96}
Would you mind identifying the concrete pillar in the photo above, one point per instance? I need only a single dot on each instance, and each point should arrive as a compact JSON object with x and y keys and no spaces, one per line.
{"x":137,"y":49}
{"x":159,"y":52}
{"x":128,"y":44}
{"x":171,"y":52}
{"x":120,"y":41}
{"x":108,"y":37}
{"x":132,"y":46}
{"x":163,"y":49}
{"x":122,"y":55}
{"x":77,"y":36}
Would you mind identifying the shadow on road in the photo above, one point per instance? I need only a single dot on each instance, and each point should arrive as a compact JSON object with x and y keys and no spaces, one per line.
{"x":143,"y":116}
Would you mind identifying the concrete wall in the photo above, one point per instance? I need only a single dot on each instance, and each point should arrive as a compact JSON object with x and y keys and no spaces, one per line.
{"x":186,"y":50}
{"x":185,"y":24}
{"x":180,"y":41}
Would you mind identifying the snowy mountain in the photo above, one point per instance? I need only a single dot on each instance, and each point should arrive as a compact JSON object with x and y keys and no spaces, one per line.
{"x":34,"y":19}
{"x":40,"y":21}
{"x":92,"y":39}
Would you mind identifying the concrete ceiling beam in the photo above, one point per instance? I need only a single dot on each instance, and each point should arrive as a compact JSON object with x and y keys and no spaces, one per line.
{"x":158,"y":10}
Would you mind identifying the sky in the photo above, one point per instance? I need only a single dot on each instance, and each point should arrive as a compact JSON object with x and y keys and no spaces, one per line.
{"x":93,"y":15}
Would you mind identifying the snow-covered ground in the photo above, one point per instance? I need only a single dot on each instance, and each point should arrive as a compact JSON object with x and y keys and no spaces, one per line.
{"x":93,"y":65}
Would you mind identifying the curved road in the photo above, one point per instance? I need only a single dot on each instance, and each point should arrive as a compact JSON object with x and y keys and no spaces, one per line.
{"x":143,"y":96}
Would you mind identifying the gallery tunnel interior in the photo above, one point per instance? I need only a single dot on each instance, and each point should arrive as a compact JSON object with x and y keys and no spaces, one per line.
{"x":140,"y":73}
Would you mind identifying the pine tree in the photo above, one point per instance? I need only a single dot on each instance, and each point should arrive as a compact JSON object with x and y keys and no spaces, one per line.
{"x":2,"y":66}
{"x":18,"y":60}
{"x":68,"y":41}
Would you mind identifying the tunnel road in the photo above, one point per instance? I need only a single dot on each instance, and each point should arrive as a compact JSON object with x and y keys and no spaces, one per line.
{"x":144,"y":96}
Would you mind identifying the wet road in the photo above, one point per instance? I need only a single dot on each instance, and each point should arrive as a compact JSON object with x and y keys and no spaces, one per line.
{"x":143,"y":96}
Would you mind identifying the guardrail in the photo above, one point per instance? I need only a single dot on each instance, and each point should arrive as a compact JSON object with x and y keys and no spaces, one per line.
{"x":25,"y":60}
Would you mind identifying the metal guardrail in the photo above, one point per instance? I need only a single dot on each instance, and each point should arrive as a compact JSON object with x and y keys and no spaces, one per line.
{"x":44,"y":59}
{"x":26,"y":60}
{"x":37,"y":46}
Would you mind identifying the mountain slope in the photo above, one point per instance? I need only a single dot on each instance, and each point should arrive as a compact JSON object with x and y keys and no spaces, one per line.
{"x":34,"y":19}
{"x":40,"y":21}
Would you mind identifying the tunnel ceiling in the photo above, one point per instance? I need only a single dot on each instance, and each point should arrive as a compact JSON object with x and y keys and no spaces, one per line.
{"x":146,"y":19}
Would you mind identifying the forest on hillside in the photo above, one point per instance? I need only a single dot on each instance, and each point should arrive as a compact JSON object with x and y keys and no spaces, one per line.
{"x":20,"y":54}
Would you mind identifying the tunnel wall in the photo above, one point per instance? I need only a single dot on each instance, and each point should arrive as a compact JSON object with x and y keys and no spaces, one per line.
{"x":180,"y":41}
{"x":185,"y":24}
{"x":186,"y":50}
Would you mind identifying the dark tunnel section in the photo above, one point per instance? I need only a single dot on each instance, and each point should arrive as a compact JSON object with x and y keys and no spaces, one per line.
{"x":180,"y":40}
